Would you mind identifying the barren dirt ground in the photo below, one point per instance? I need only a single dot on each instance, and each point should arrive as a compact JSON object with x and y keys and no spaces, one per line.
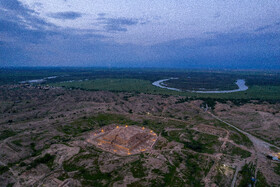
{"x":261,"y":120}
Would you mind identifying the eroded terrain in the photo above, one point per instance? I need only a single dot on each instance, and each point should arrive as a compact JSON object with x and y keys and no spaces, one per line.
{"x":45,"y":132}
{"x":261,"y":120}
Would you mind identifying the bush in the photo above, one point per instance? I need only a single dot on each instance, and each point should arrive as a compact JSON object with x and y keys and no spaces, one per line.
{"x":47,"y":159}
{"x":6,"y":134}
{"x":3,"y":169}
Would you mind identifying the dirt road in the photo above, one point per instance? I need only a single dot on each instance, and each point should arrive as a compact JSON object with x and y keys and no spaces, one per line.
{"x":261,"y":148}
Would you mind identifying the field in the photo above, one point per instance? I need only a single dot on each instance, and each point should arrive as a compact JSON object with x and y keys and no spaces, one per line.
{"x":262,"y":93}
{"x":49,"y":132}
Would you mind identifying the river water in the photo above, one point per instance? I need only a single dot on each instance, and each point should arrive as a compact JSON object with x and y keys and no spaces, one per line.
{"x":38,"y":80}
{"x":240,"y":83}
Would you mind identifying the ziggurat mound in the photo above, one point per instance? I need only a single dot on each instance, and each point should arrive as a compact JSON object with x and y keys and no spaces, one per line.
{"x":123,"y":140}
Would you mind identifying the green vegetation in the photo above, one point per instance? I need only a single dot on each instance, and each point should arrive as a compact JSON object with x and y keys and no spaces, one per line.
{"x":206,"y":80}
{"x":88,"y":176}
{"x":106,"y":119}
{"x":233,"y":150}
{"x":15,"y":75}
{"x":274,"y":149}
{"x":37,"y":152}
{"x":154,"y":125}
{"x":205,"y":143}
{"x":62,"y":139}
{"x":194,"y":170}
{"x":241,"y":139}
{"x":46,"y":159}
{"x":17,"y":142}
{"x":119,"y":85}
{"x":169,"y":177}
{"x":263,"y":86}
{"x":6,"y":134}
{"x":199,"y":142}
{"x":196,"y":167}
{"x":222,"y":176}
{"x":235,"y":135}
{"x":3,"y":169}
{"x":247,"y":172}
{"x":90,"y":123}
{"x":71,"y":165}
{"x":277,"y":169}
{"x":137,"y":169}
{"x":260,"y":93}
{"x":240,"y":152}
{"x":160,"y":144}
{"x":136,"y":184}
{"x":261,"y":181}
{"x":218,"y":179}
{"x":85,"y":124}
{"x":63,"y":176}
{"x":211,"y":102}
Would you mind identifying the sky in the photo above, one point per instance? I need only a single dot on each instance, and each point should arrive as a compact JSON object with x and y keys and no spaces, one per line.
{"x":233,"y":34}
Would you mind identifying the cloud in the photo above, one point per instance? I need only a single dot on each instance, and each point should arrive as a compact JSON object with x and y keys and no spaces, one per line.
{"x":65,"y":15}
{"x":19,"y":25}
{"x":222,"y":50}
{"x":68,"y":48}
{"x":19,"y":33}
{"x":217,"y":15}
{"x":101,"y":14}
{"x":20,"y":15}
{"x":116,"y":24}
{"x":28,"y":38}
{"x":12,"y":5}
{"x":266,"y":27}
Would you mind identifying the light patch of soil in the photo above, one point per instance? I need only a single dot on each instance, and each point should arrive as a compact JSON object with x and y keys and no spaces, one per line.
{"x":210,"y":130}
{"x":262,"y":120}
{"x":62,"y":152}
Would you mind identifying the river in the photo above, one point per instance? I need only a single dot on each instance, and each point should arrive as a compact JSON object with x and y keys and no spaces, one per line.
{"x":38,"y":80}
{"x":240,"y":83}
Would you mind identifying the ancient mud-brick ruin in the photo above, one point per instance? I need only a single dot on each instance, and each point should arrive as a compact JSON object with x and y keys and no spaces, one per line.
{"x":123,"y":140}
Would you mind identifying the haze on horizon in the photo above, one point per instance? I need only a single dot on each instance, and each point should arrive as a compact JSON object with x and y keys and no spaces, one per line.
{"x":177,"y":33}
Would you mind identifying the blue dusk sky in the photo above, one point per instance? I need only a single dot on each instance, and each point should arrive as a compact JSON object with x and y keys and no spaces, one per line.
{"x":238,"y":34}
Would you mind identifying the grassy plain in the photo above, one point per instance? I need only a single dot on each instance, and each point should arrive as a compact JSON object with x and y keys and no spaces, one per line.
{"x":145,"y":86}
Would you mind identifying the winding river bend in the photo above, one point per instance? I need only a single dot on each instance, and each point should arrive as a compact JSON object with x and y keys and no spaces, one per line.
{"x":240,"y":83}
{"x":38,"y":80}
